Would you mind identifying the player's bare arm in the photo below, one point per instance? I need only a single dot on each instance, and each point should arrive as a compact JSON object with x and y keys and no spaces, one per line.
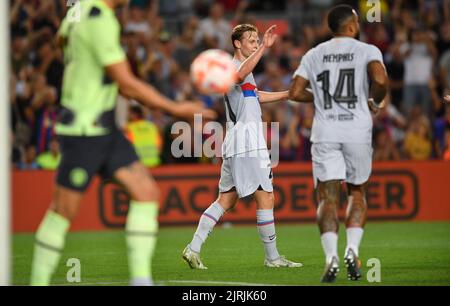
{"x":250,"y":63}
{"x":447,"y":98}
{"x":299,"y":91}
{"x":378,"y":90}
{"x":132,"y":87}
{"x":270,"y":97}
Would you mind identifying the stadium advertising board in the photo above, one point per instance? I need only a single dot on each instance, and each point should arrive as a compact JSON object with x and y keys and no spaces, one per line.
{"x":397,"y":191}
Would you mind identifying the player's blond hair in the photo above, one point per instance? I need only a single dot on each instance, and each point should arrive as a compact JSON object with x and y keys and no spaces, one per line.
{"x":239,"y":31}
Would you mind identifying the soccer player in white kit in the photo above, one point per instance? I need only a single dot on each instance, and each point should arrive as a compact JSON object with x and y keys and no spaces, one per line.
{"x":246,"y":168}
{"x":339,"y":72}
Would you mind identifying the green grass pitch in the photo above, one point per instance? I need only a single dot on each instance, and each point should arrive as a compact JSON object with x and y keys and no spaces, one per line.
{"x":410,"y":254}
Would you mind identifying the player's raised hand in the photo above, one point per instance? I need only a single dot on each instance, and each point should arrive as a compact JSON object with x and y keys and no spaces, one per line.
{"x":447,"y":98}
{"x":376,"y":108}
{"x":270,"y":37}
{"x":188,"y":109}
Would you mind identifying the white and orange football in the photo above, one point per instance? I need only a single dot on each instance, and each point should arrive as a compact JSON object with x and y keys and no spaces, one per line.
{"x":213,"y":72}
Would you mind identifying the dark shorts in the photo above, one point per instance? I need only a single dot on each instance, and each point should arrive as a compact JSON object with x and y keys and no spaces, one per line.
{"x":83,"y":157}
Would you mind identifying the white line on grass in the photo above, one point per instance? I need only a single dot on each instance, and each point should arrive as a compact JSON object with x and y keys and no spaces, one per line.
{"x":164,"y":282}
{"x":217,"y":283}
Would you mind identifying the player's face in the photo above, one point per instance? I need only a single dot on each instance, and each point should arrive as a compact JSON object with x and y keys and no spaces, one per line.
{"x":249,"y":43}
{"x":356,"y":25}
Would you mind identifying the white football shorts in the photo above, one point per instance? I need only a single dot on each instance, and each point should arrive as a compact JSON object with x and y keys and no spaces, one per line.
{"x":342,"y":161}
{"x":247,"y":172}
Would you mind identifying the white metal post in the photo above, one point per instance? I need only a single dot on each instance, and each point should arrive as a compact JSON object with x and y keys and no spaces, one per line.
{"x":5,"y":151}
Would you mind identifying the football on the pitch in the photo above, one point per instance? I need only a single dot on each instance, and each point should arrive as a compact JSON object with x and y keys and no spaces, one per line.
{"x":213,"y":72}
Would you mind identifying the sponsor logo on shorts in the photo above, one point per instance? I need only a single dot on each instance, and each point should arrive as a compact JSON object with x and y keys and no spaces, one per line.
{"x":78,"y":177}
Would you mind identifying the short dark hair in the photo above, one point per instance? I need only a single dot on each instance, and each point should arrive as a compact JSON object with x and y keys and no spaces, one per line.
{"x":239,"y":30}
{"x":137,"y":110}
{"x":338,"y":15}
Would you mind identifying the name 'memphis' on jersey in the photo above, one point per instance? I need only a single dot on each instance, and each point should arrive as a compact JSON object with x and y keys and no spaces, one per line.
{"x":337,"y":72}
{"x":245,"y":131}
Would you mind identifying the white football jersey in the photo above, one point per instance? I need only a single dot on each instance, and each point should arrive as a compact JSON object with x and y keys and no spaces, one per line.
{"x":245,"y":131}
{"x":337,"y":72}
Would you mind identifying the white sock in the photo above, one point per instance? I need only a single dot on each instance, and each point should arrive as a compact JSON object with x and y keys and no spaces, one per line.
{"x":354,"y":236}
{"x":266,"y":229}
{"x":329,"y":245}
{"x":206,"y":224}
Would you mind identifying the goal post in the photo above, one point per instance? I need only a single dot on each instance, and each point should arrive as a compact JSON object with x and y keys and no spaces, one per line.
{"x":5,"y":148}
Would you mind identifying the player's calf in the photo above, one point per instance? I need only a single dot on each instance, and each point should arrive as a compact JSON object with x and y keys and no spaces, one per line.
{"x":142,"y":220}
{"x":355,"y":221}
{"x":329,"y":194}
{"x":357,"y":206}
{"x":51,"y":235}
{"x":49,"y":245}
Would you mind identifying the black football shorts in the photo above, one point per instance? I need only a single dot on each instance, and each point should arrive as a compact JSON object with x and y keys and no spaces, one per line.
{"x":83,"y":157}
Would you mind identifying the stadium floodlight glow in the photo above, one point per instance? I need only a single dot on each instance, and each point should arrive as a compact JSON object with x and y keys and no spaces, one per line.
{"x":4,"y":147}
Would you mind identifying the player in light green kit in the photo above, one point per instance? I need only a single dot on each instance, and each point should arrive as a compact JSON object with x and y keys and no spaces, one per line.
{"x":96,"y":70}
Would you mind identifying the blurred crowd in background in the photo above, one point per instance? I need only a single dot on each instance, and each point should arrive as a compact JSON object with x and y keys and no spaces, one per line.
{"x":162,"y":37}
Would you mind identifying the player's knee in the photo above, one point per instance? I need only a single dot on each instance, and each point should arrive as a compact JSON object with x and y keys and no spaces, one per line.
{"x":226,"y":201}
{"x":357,"y":188}
{"x":69,"y":212}
{"x":329,"y":192}
{"x":265,"y":200}
{"x":66,"y":203}
{"x":358,"y":193}
{"x":271,"y":199}
{"x":146,"y":191}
